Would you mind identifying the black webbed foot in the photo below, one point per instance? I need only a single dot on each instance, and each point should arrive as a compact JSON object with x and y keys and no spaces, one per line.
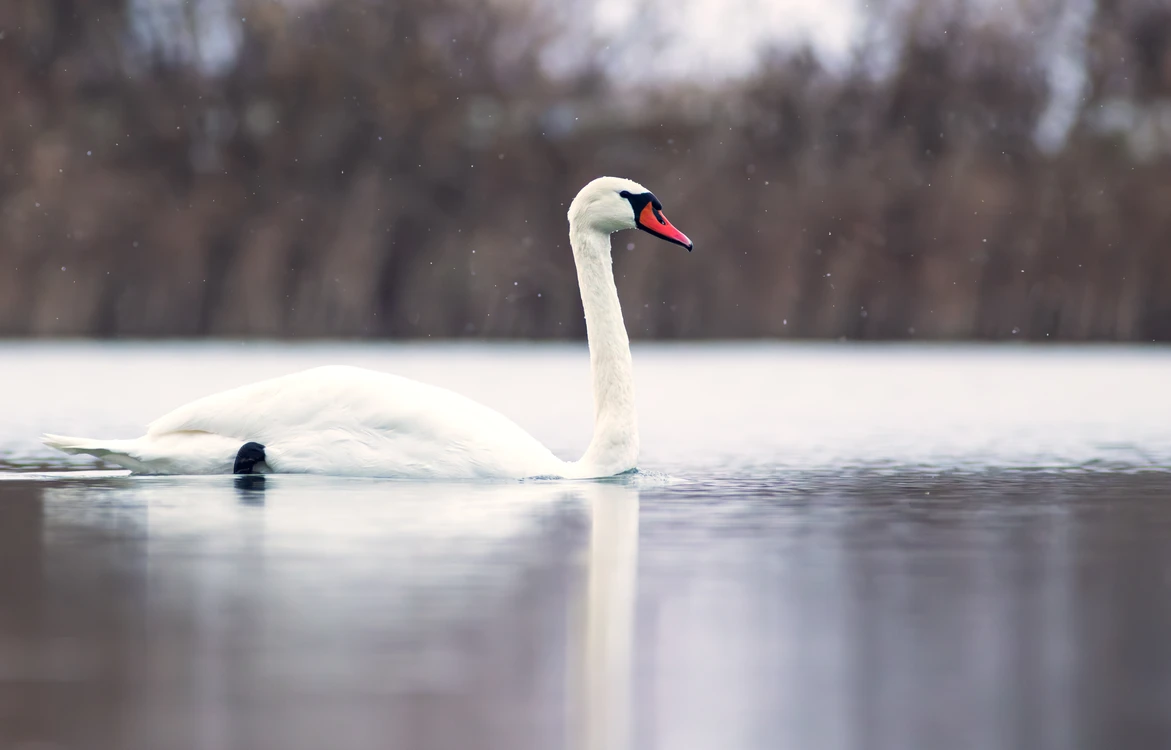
{"x":248,"y":456}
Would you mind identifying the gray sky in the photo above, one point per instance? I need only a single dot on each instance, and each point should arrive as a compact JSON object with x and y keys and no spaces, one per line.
{"x":706,"y":40}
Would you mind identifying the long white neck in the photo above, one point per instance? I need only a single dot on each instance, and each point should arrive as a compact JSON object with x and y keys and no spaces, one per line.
{"x":614,"y":448}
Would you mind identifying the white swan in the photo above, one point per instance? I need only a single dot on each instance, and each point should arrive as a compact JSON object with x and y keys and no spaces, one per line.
{"x":350,"y":421}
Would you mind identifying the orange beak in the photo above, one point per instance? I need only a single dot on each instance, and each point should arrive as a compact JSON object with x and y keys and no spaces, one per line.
{"x":652,"y":220}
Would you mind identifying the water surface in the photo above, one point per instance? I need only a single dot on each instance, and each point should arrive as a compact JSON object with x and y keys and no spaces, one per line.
{"x":827,"y":547}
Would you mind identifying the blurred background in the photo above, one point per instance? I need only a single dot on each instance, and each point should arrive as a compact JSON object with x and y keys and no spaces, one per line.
{"x":891,"y":169}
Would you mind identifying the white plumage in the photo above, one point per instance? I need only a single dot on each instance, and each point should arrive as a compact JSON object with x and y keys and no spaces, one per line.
{"x":356,"y":422}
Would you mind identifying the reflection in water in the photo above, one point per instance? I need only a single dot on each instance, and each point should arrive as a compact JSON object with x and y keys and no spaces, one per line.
{"x":257,"y":614}
{"x":604,"y":661}
{"x":250,"y":488}
{"x":879,"y":611}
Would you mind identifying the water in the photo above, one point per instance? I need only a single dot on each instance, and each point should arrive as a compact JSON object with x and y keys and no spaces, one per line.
{"x":827,"y":547}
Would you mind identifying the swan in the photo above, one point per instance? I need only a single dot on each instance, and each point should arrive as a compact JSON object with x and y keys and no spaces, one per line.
{"x":350,"y":421}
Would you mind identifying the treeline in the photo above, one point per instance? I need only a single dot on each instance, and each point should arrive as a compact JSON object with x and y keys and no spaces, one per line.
{"x":353,"y":168}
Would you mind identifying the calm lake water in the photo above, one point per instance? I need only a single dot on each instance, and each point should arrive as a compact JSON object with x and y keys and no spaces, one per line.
{"x":828,"y":546}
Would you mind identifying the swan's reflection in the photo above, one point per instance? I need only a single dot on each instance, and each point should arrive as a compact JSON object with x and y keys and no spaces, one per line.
{"x":250,"y":488}
{"x":604,"y":659}
{"x":425,"y":600}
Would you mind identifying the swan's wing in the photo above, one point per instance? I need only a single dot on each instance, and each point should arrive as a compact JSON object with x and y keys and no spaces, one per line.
{"x":269,"y":407}
{"x":350,"y":415}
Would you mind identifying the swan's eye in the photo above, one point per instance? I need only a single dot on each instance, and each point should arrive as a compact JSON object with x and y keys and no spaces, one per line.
{"x":645,"y":203}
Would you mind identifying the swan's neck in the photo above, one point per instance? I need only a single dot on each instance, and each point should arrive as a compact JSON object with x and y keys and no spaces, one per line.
{"x":614,"y":447}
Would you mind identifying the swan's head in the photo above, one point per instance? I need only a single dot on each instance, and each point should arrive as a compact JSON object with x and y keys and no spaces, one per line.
{"x":611,"y":204}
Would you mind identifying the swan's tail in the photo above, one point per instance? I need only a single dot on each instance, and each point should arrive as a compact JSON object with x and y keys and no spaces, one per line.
{"x":85,"y":445}
{"x":170,"y":453}
{"x":120,"y":452}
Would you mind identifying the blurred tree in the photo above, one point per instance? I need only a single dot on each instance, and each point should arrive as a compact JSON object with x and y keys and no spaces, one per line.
{"x":361,"y":168}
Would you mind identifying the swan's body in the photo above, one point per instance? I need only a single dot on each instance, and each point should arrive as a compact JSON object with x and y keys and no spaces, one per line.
{"x":336,"y":420}
{"x":350,"y":421}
